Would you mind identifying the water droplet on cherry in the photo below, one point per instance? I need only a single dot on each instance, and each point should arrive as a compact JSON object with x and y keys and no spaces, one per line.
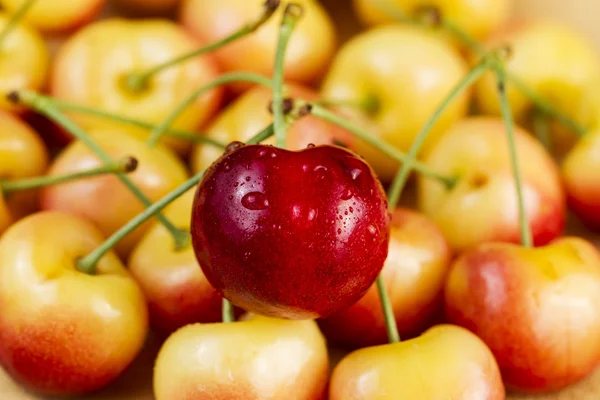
{"x":305,"y":167}
{"x":248,"y":179}
{"x":230,"y":197}
{"x":372,"y":230}
{"x":236,"y":184}
{"x":320,"y":168}
{"x":233,"y":146}
{"x":339,"y":231}
{"x":347,"y":195}
{"x":355,"y":173}
{"x":255,"y":201}
{"x":227,"y":167}
{"x":351,"y":209}
{"x":312,"y":214}
{"x":262,"y":152}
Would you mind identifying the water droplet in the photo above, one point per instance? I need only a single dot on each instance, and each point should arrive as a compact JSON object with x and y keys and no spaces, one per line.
{"x":296,"y":211}
{"x":227,"y":167}
{"x":310,"y":145}
{"x":355,"y":173}
{"x":262,"y":152}
{"x":273,"y":154}
{"x":347,"y":195}
{"x":233,"y":146}
{"x":320,"y":168}
{"x":247,"y":255}
{"x":346,"y":212}
{"x":351,"y":209}
{"x":340,"y":216}
{"x":236,"y":184}
{"x":339,"y":231}
{"x":305,"y":167}
{"x":248,"y":179}
{"x":255,"y":201}
{"x":312,"y":214}
{"x":230,"y":197}
{"x":372,"y":230}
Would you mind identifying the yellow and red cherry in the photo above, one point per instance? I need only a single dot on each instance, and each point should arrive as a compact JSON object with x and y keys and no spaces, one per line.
{"x":118,"y":48}
{"x":401,"y":74}
{"x":175,"y":287}
{"x":105,"y":200}
{"x":582,"y":184}
{"x":64,"y":332}
{"x":310,"y":48}
{"x":259,"y":358}
{"x":445,"y":362}
{"x":483,"y":206}
{"x":414,"y":274}
{"x":48,"y":16}
{"x":538,"y":309}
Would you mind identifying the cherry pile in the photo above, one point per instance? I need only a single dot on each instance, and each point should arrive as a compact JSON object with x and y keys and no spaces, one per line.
{"x":230,"y":177}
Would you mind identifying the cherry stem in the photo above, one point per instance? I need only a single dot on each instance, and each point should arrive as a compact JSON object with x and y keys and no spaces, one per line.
{"x":189,"y":136}
{"x":45,"y":106}
{"x":137,"y":82}
{"x":542,"y":104}
{"x":526,"y":237}
{"x":402,"y":176}
{"x":292,"y":13}
{"x":159,"y":130}
{"x":88,"y":263}
{"x":15,"y":19}
{"x":329,"y":116}
{"x":541,"y":128}
{"x":126,"y":165}
{"x":368,"y":105}
{"x":227,"y":311}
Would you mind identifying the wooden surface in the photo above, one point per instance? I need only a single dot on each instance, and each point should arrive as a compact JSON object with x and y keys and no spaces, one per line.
{"x":136,"y":382}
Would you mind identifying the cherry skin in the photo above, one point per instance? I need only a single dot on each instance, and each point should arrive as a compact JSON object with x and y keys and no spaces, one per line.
{"x":290,"y":234}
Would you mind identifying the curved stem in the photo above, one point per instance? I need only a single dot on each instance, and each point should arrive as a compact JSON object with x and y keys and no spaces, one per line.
{"x":139,"y":81}
{"x":126,"y":165}
{"x":291,"y":15}
{"x":192,"y":137}
{"x":389,"y":150}
{"x":394,"y":12}
{"x":15,"y":19}
{"x":159,"y":130}
{"x":402,"y":176}
{"x":45,"y":106}
{"x":526,"y":238}
{"x":541,"y":129}
{"x":542,"y":104}
{"x":88,"y":263}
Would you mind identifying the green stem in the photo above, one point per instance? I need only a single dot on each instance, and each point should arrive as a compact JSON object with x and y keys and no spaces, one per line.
{"x":291,"y":15}
{"x":402,"y":176}
{"x":46,"y":106}
{"x":68,"y":106}
{"x":391,"y":151}
{"x":543,"y":104}
{"x":159,"y":130}
{"x":526,"y":237}
{"x":15,"y":19}
{"x":139,"y":81}
{"x":126,"y":165}
{"x":227,"y":311}
{"x":541,"y":129}
{"x":394,"y":12}
{"x":88,"y":263}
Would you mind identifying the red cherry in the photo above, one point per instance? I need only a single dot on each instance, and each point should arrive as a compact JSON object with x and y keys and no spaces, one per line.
{"x":290,"y":234}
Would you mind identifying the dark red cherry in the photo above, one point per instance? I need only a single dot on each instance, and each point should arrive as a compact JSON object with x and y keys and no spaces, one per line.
{"x":290,"y":234}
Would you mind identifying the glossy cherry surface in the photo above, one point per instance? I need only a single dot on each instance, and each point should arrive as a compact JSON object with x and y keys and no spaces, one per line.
{"x":290,"y":234}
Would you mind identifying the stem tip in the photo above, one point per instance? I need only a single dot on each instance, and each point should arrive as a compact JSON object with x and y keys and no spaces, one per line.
{"x":287,"y":105}
{"x":294,"y":10}
{"x":130,"y":164}
{"x":13,"y":97}
{"x":272,"y":5}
